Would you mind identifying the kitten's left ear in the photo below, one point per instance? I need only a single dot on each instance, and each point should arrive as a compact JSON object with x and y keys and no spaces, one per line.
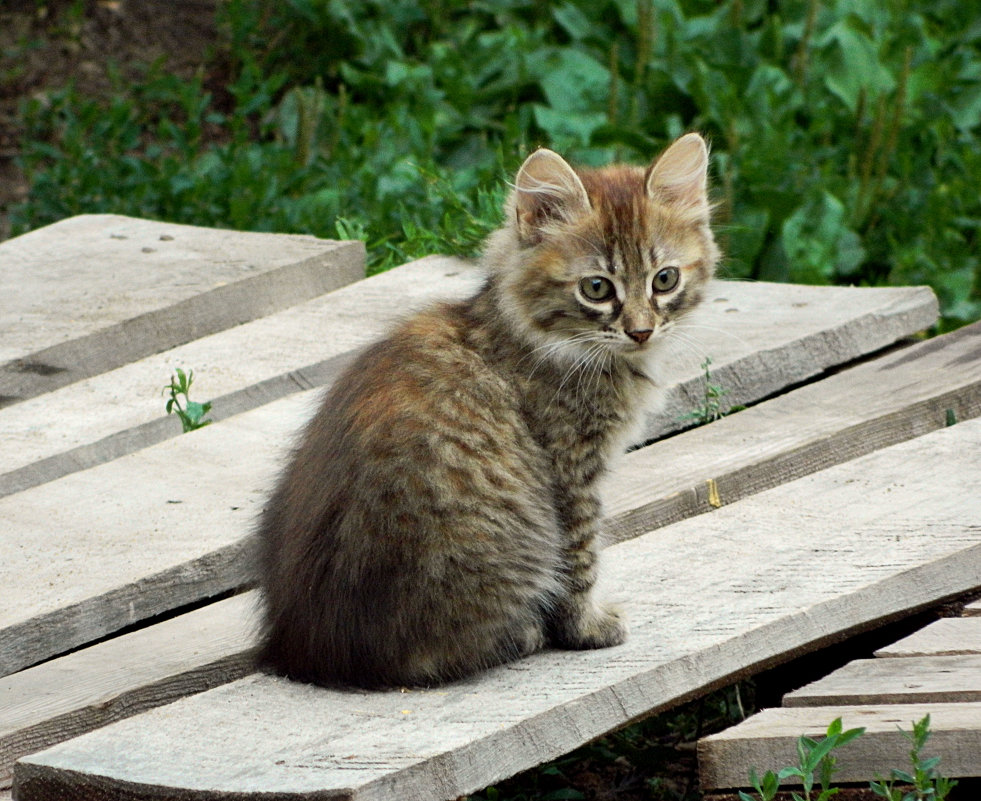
{"x":680,"y":176}
{"x":546,"y":189}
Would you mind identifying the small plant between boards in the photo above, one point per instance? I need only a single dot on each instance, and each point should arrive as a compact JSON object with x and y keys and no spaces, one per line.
{"x":710,"y":409}
{"x":191,"y":413}
{"x":817,"y":763}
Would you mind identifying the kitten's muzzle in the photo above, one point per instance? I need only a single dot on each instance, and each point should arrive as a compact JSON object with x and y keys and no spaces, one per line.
{"x":640,"y":335}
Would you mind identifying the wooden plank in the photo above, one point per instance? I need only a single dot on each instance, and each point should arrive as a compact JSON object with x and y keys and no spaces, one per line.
{"x":124,"y":676}
{"x":914,"y":680}
{"x":873,"y":405}
{"x":767,"y":741}
{"x":830,"y":553}
{"x":222,"y":473}
{"x":945,"y":637}
{"x":99,"y":550}
{"x":761,"y":338}
{"x":298,"y":348}
{"x":90,"y":293}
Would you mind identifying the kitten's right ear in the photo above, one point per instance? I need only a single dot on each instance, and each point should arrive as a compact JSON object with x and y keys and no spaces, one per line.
{"x":547,"y":189}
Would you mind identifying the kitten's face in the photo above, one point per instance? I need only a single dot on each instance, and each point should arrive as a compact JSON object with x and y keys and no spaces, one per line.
{"x":611,"y":257}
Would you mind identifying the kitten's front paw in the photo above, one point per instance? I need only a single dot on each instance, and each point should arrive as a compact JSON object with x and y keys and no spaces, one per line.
{"x":594,"y":627}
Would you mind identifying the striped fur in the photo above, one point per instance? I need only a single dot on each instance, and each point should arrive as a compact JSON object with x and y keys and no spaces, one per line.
{"x":440,"y":515}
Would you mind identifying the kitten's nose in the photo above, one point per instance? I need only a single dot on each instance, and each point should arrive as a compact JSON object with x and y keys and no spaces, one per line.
{"x":640,"y":335}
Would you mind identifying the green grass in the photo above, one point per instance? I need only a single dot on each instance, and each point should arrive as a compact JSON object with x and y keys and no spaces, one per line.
{"x":845,"y":133}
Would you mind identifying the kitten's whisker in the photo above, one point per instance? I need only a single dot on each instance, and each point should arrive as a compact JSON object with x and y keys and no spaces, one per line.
{"x":692,"y":350}
{"x":686,"y":324}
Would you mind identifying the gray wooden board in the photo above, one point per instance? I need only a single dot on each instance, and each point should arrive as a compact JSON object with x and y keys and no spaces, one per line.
{"x":678,"y":462}
{"x":708,"y":599}
{"x":947,"y":636}
{"x":101,"y":549}
{"x":761,"y":338}
{"x":237,"y":369}
{"x":123,"y":676}
{"x":220,"y":476}
{"x":767,"y":741}
{"x":912,"y":680}
{"x":93,"y":292}
{"x":870,"y":406}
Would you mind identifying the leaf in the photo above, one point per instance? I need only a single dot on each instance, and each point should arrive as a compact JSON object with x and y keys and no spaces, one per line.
{"x":567,"y":129}
{"x":818,"y":242}
{"x":575,"y":23}
{"x":851,"y":64}
{"x":851,"y":734}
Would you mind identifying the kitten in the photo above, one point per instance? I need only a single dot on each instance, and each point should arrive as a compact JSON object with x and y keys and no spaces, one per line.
{"x":441,"y":513}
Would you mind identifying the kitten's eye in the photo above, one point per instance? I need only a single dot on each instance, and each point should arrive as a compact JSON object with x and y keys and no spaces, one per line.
{"x":597,"y":288}
{"x":666,"y":279}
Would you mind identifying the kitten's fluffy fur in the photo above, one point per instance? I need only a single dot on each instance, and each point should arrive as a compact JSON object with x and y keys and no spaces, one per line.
{"x":441,"y":513}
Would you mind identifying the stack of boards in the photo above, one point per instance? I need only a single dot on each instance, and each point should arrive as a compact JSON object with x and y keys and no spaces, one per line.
{"x":840,"y":499}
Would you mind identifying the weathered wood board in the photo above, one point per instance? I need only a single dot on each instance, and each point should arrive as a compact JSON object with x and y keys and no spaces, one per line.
{"x":767,"y":741}
{"x":124,"y":676}
{"x":764,"y":579}
{"x":240,"y":368}
{"x":869,"y":406}
{"x":761,"y":338}
{"x":220,"y":476}
{"x":90,"y":293}
{"x":101,"y":549}
{"x":945,"y":637}
{"x":913,"y":680}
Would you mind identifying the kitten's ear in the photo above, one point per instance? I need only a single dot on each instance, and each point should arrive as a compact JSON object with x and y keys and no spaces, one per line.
{"x":546,"y":189}
{"x":680,"y":176}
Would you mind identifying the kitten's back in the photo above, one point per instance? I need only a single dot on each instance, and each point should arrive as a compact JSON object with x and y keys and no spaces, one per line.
{"x":412,"y":538}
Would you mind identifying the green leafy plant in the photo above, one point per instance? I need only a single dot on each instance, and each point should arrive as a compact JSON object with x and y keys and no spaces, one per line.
{"x":923,"y":782}
{"x":814,"y":757}
{"x":710,"y":409}
{"x":191,"y":413}
{"x":845,"y":134}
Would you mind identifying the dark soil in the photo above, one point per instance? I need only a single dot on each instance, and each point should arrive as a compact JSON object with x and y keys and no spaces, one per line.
{"x":44,"y":46}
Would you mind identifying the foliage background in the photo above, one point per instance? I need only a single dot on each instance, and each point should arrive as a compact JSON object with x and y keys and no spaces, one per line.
{"x":845,"y":133}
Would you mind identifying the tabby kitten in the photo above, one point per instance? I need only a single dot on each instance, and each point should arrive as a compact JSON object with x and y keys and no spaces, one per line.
{"x":441,"y":513}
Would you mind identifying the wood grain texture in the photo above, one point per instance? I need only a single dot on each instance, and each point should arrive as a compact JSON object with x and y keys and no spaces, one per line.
{"x":306,"y":345}
{"x":945,"y":637}
{"x":209,"y":485}
{"x":767,"y":741}
{"x":93,"y":292}
{"x":805,"y":562}
{"x":763,"y":338}
{"x":913,"y":680}
{"x":288,"y":351}
{"x":123,"y":676}
{"x":99,"y":550}
{"x":870,"y":406}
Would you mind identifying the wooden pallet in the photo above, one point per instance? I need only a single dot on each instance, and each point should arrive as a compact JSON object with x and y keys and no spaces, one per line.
{"x":109,"y":524}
